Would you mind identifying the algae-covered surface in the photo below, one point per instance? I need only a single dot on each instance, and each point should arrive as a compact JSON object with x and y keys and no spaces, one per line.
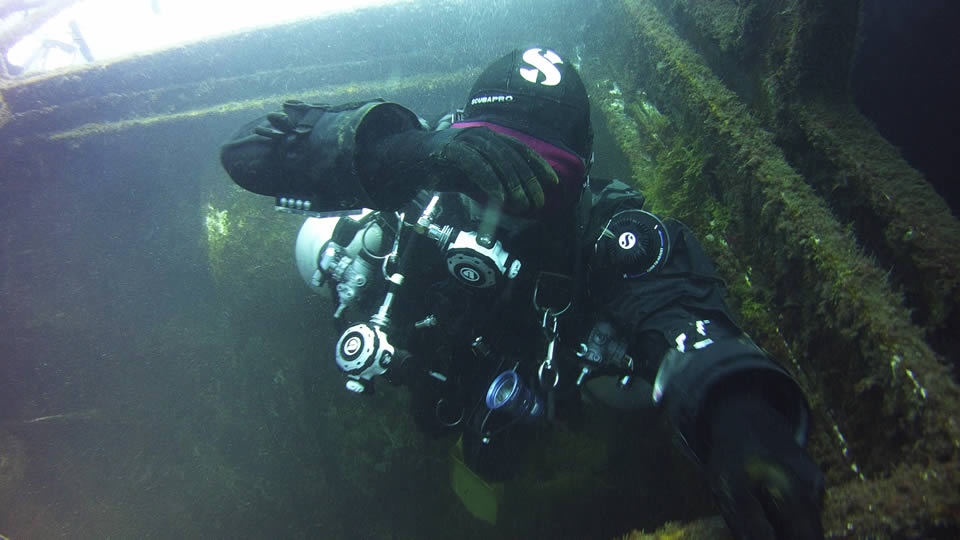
{"x":166,"y":373}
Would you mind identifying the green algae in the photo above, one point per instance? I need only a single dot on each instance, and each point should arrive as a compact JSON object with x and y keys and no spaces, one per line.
{"x":799,"y":277}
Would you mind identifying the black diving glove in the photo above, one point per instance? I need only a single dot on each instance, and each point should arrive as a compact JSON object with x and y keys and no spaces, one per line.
{"x":306,"y":152}
{"x":375,"y":154}
{"x":764,"y":482}
{"x":484,"y":165}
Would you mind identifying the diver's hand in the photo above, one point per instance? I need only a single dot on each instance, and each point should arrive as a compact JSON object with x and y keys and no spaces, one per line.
{"x":485,"y":165}
{"x":257,"y":155}
{"x":764,"y":482}
{"x":281,"y":123}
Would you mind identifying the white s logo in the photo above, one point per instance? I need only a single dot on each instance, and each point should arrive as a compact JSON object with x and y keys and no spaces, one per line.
{"x":541,"y":64}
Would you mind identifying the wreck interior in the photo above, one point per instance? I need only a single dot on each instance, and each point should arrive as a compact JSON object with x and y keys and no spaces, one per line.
{"x":146,"y":298}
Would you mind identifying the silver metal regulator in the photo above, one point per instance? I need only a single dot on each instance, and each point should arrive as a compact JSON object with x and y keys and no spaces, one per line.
{"x":474,"y":259}
{"x":364,"y":350}
{"x":350,"y":252}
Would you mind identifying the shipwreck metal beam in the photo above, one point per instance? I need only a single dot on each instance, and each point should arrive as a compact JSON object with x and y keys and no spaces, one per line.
{"x":799,"y":276}
{"x":792,"y":62}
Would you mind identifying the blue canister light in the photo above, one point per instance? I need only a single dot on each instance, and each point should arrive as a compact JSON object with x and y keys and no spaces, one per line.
{"x":507,"y":393}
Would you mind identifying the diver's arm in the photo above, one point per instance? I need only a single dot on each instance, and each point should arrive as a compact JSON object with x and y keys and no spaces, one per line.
{"x":310,"y":152}
{"x":377,"y":155}
{"x":745,"y":421}
{"x":741,"y":416}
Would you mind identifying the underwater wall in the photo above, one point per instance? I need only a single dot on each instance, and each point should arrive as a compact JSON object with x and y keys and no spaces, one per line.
{"x":737,"y":117}
{"x":165,"y":370}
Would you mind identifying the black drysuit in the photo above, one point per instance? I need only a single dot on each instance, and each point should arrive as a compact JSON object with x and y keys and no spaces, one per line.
{"x":687,"y":351}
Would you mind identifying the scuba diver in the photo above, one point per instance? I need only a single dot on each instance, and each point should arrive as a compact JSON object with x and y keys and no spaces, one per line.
{"x":492,"y":274}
